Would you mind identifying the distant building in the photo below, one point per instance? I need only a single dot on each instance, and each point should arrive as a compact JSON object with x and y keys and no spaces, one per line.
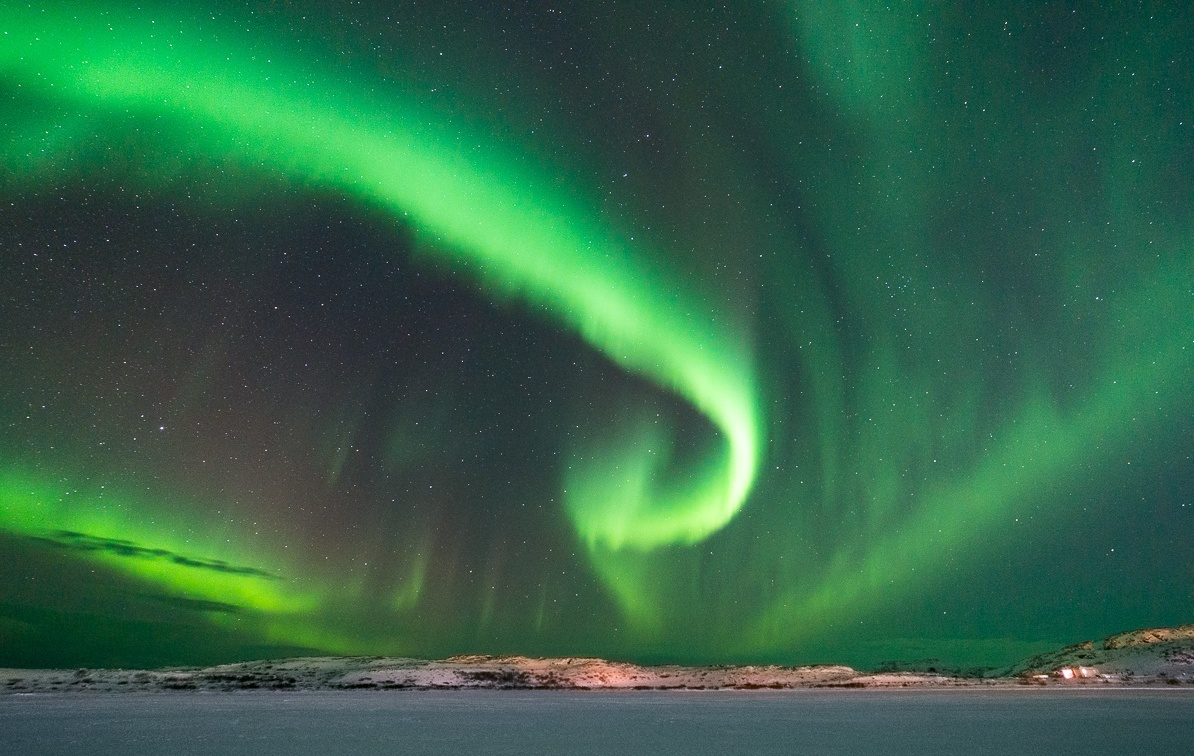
{"x":1072,"y":673}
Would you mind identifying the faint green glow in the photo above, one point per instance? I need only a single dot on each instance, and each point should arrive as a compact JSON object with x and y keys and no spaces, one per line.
{"x":885,"y":69}
{"x":1043,"y":452}
{"x":406,"y":594}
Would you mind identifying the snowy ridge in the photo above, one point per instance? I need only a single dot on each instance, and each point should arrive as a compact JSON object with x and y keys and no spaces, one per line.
{"x":1157,"y":656}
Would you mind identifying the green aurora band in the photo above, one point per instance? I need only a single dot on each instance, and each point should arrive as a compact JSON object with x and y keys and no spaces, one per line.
{"x":650,"y":521}
{"x":525,"y":241}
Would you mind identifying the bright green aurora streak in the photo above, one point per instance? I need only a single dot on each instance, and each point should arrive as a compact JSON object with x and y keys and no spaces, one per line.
{"x":479,"y":207}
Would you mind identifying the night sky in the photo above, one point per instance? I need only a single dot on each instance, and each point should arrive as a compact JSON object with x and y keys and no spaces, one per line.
{"x":660,"y":331}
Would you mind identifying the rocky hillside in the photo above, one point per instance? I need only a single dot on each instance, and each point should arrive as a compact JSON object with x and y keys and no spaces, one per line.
{"x":1162,"y":655}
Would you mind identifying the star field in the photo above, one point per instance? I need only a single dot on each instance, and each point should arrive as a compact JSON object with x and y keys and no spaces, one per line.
{"x":783,"y":332}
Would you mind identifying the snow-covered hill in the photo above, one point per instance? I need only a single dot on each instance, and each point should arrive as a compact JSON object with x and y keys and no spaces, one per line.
{"x":1140,"y":657}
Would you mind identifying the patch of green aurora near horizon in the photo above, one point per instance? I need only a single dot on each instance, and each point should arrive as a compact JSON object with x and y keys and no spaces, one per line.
{"x":35,"y":508}
{"x":483,"y":208}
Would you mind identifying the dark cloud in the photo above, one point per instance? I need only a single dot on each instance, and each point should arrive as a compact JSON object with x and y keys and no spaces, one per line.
{"x":68,"y":539}
{"x":196,"y":605}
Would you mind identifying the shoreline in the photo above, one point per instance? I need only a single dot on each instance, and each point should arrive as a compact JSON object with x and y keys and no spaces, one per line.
{"x":382,"y":675}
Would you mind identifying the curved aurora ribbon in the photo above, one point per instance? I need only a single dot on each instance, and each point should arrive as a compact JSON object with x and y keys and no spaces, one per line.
{"x":483,"y":208}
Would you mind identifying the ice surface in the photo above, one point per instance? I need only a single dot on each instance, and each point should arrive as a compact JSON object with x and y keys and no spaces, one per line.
{"x":1026,"y":721}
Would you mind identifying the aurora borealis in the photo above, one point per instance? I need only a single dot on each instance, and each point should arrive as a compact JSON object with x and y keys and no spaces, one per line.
{"x":774,"y":332}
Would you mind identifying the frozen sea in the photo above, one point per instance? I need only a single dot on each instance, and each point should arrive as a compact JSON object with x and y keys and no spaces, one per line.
{"x":556,"y":722}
